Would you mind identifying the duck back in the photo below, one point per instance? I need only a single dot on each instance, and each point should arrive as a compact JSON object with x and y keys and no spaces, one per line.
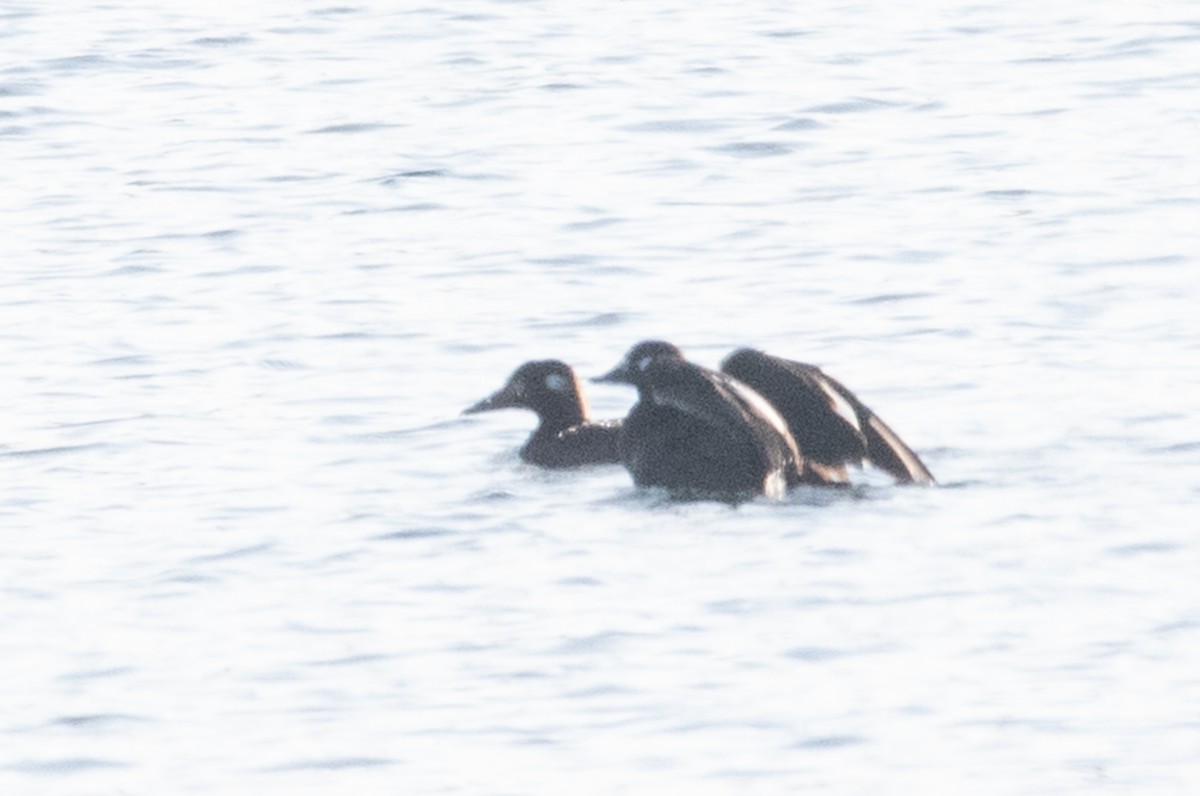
{"x":830,"y":424}
{"x":695,"y":431}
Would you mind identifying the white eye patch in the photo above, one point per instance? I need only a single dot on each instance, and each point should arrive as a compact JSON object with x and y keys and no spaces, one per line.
{"x":556,"y":382}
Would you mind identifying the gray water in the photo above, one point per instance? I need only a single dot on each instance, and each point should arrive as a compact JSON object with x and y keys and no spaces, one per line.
{"x":257,"y":257}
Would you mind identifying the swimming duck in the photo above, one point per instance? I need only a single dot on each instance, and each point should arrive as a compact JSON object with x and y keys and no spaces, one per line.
{"x":699,"y":432}
{"x":565,"y":436}
{"x":830,"y":424}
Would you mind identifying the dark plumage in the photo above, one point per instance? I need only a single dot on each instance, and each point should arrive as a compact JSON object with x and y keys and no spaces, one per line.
{"x":699,"y":432}
{"x":565,"y":437}
{"x":830,"y":425}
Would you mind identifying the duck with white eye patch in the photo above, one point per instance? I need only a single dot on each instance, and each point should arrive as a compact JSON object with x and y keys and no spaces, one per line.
{"x":565,"y":436}
{"x":701,"y":433}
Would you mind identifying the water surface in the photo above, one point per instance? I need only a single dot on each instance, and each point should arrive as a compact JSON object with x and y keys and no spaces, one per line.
{"x":257,"y":257}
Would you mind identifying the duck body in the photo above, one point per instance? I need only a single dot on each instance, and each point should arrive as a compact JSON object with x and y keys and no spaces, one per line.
{"x":698,"y":432}
{"x":831,"y":426}
{"x":587,"y":443}
{"x":565,"y":436}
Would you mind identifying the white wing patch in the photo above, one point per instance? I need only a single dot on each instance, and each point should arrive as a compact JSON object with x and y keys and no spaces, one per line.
{"x":775,"y":485}
{"x":841,"y":406}
{"x":759,"y":404}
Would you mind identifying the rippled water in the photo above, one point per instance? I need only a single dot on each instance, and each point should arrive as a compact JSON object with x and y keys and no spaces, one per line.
{"x":258,"y":256}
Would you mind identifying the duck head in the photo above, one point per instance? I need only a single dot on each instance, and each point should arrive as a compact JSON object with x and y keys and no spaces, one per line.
{"x":548,"y":387}
{"x":639,"y":358}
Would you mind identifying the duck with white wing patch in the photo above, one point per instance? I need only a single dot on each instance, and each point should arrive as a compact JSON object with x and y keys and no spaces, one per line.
{"x":701,"y":433}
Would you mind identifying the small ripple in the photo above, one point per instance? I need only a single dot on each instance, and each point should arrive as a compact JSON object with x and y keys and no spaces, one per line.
{"x":97,"y":674}
{"x":1164,"y":260}
{"x":440,"y":425}
{"x":829,"y":742}
{"x":1179,"y":447}
{"x":815,"y":654}
{"x":352,"y":127}
{"x":134,"y":270}
{"x":186,"y":577}
{"x":68,"y":765}
{"x":416,"y":207}
{"x":820,"y":654}
{"x":605,"y":319}
{"x":598,"y":320}
{"x":282,"y":364}
{"x":606,"y":690}
{"x":890,"y":298}
{"x":824,"y":496}
{"x":18,"y":454}
{"x":858,"y":105}
{"x":755,"y":149}
{"x":74,"y":62}
{"x":312,"y":630}
{"x":1130,"y":550}
{"x":745,"y":773}
{"x":701,"y":726}
{"x":1010,"y":193}
{"x":416,"y":533}
{"x":677,"y":126}
{"x":352,"y":660}
{"x":580,"y":581}
{"x":245,"y":270}
{"x":837,"y":552}
{"x":95,"y":720}
{"x":1182,"y":626}
{"x":1015,"y":722}
{"x":584,"y":226}
{"x":289,"y":178}
{"x":597,"y":642}
{"x":131,"y":359}
{"x":347,"y":336}
{"x":335,"y":11}
{"x":918,"y":256}
{"x":735,"y":606}
{"x":463,"y":60}
{"x":564,"y":260}
{"x":237,"y":552}
{"x":414,"y":175}
{"x":159,"y":59}
{"x":802,"y":123}
{"x":23,"y":89}
{"x":221,"y":41}
{"x":343,"y":420}
{"x":331,"y":764}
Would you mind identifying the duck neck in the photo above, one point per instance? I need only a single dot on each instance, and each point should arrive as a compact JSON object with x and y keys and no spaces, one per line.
{"x":561,"y":414}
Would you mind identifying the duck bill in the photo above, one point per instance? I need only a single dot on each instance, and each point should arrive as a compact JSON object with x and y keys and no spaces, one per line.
{"x":504,"y":398}
{"x":618,"y":375}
